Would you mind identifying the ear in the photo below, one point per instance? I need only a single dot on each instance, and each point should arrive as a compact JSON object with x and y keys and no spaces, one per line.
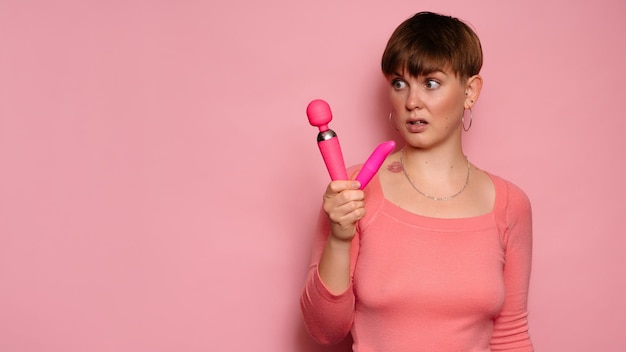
{"x":472,"y":90}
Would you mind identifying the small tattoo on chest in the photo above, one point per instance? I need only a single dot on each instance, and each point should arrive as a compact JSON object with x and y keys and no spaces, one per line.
{"x":395,"y":167}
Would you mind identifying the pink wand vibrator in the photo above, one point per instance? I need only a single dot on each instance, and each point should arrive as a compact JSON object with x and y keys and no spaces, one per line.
{"x":319,"y":116}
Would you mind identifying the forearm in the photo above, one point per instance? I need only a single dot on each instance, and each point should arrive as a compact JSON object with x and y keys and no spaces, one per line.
{"x":328,"y":303}
{"x":334,"y":265}
{"x":328,"y":299}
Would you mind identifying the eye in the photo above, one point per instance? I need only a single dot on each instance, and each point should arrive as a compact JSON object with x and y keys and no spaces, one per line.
{"x":398,"y":84}
{"x":432,"y":84}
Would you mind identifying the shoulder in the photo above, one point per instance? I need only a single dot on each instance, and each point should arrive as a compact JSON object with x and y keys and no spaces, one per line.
{"x":509,"y":194}
{"x":513,"y":215}
{"x":513,"y":207}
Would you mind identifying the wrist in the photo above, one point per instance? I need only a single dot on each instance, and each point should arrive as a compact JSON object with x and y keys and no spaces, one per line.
{"x":339,"y":243}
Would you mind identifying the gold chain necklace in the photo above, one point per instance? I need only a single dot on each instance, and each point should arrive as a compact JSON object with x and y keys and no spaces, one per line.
{"x":428,"y":195}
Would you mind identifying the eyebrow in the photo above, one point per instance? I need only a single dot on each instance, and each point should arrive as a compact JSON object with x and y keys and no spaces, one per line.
{"x":423,"y":74}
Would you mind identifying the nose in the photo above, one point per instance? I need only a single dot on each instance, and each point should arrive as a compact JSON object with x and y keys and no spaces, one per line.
{"x":413,"y":100}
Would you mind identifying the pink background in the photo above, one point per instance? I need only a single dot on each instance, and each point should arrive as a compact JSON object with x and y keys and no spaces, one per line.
{"x":159,"y":180}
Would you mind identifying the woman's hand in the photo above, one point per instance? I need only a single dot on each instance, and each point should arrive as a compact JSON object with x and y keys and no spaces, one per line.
{"x":344,"y":204}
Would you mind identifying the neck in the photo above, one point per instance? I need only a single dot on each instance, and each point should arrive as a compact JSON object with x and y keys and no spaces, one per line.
{"x":436,"y":178}
{"x":441,"y":162}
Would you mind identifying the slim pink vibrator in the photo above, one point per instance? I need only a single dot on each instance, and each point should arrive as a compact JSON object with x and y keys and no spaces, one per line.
{"x":319,"y":116}
{"x":374,"y":162}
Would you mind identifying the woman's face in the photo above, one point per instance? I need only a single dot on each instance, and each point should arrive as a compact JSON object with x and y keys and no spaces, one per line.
{"x":428,"y":108}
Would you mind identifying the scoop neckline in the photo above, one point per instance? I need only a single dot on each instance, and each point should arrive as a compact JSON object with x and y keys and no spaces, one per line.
{"x":409,"y":217}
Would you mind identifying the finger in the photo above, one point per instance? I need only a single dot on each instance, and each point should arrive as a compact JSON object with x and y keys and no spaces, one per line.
{"x":347,"y":207}
{"x":339,"y":186}
{"x":349,"y":220}
{"x":347,"y":213}
{"x":350,"y":196}
{"x":342,"y":202}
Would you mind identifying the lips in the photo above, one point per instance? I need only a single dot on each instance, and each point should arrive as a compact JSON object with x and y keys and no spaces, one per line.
{"x":416,"y":125}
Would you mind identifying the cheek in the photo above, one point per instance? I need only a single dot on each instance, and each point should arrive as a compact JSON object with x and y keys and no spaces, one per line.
{"x":451,"y":107}
{"x":396,"y":99}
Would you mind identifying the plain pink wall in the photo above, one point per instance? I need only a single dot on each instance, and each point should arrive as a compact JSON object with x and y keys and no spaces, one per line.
{"x":159,"y":179}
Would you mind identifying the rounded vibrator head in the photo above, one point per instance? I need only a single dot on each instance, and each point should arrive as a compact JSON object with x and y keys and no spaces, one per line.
{"x":319,"y":114}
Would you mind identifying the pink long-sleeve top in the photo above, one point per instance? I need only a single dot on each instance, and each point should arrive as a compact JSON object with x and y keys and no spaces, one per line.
{"x":429,"y":284}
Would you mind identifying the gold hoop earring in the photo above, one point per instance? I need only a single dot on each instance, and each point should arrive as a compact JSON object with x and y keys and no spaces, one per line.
{"x":463,"y":120}
{"x":391,"y":123}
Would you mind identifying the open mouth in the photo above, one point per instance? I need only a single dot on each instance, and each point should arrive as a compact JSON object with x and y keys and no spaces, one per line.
{"x":418,"y":122}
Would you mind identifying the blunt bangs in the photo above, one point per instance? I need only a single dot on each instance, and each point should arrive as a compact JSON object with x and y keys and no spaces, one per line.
{"x":414,"y":60}
{"x":429,"y":42}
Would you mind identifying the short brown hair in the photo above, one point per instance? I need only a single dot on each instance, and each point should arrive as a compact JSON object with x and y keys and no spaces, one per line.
{"x":428,"y":42}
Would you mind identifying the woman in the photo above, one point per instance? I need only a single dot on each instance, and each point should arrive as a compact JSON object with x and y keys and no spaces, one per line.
{"x":441,"y":259}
